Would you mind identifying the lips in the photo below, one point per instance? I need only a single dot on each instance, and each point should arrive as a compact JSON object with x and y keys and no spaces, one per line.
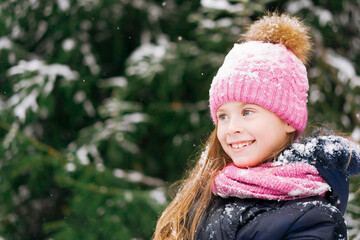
{"x":242,"y":144}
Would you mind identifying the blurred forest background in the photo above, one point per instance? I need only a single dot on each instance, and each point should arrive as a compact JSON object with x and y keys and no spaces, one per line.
{"x":103,"y":104}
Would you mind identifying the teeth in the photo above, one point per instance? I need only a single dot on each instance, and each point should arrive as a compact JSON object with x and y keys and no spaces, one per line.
{"x":241,"y":145}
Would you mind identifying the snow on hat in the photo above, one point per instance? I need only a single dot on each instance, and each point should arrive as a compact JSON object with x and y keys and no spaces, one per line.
{"x":268,"y":70}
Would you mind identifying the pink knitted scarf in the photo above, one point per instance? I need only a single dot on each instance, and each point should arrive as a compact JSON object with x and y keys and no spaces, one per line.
{"x":271,"y":182}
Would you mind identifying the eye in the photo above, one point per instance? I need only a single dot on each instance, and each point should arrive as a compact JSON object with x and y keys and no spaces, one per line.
{"x":247,"y":112}
{"x":222,"y":116}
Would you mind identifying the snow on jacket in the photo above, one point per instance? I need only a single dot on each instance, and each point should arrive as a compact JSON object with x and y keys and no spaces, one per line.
{"x":306,"y":218}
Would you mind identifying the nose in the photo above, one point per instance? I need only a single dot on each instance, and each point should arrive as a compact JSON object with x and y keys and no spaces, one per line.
{"x":235,"y":126}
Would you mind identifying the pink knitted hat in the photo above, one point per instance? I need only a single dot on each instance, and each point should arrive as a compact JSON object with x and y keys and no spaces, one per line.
{"x":265,"y":71}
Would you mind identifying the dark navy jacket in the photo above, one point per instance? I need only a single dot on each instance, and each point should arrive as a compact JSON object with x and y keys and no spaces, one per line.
{"x":306,"y":218}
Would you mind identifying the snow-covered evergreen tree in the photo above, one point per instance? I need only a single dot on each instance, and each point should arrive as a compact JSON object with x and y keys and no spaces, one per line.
{"x":102,"y":104}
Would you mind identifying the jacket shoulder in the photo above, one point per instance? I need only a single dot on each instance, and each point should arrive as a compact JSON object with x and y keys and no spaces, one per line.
{"x":319,"y":219}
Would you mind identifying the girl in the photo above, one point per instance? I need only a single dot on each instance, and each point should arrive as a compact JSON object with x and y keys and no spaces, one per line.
{"x":254,"y":181}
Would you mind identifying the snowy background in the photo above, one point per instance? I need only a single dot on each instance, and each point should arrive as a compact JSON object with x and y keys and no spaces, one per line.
{"x":102,"y":104}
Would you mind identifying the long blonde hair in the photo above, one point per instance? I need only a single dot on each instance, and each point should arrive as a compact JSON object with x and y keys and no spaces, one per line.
{"x":181,"y":218}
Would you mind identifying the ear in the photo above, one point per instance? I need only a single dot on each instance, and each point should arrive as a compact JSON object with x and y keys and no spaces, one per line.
{"x":289,"y":128}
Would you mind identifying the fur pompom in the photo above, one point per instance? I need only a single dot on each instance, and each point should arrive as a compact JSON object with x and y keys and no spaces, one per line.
{"x":283,"y":29}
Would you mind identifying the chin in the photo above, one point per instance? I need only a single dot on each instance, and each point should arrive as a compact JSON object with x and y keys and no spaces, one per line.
{"x":245,"y":164}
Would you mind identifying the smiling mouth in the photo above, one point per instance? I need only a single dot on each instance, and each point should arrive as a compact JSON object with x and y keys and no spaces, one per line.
{"x":241,"y":145}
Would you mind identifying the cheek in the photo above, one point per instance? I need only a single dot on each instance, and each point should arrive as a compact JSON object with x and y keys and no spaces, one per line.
{"x":270,"y":128}
{"x":220,"y":133}
{"x":277,"y":135}
{"x":221,"y":136}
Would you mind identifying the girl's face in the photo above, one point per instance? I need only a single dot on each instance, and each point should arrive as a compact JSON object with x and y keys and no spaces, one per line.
{"x":249,"y":134}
